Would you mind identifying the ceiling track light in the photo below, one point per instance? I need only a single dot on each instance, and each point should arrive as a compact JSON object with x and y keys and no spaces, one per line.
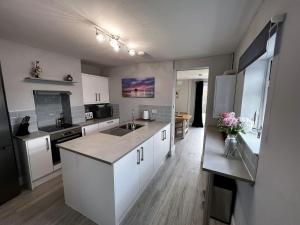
{"x":115,"y":42}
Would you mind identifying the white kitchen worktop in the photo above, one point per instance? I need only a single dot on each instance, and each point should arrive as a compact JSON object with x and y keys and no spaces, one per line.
{"x":215,"y":162}
{"x":109,"y":148}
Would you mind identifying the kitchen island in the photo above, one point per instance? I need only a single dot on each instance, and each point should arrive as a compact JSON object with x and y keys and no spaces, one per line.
{"x":104,"y":174}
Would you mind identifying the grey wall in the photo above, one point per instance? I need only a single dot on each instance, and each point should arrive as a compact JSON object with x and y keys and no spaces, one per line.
{"x":16,"y":60}
{"x":275,"y":197}
{"x":91,"y":68}
{"x":164,"y":79}
{"x":217,"y":65}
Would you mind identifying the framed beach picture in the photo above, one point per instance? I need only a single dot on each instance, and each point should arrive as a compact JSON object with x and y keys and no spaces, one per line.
{"x":138,"y":87}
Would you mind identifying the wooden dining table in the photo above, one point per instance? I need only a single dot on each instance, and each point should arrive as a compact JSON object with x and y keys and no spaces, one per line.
{"x":184,"y":119}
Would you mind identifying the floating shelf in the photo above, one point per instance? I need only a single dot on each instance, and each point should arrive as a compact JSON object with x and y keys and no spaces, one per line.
{"x":48,"y":81}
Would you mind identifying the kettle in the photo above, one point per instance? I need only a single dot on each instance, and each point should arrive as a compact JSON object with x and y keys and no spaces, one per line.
{"x":146,"y":115}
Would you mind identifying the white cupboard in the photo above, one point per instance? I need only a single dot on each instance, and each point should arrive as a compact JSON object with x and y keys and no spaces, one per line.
{"x":161,"y":146}
{"x":90,"y":129}
{"x":95,"y":128}
{"x":36,"y":164}
{"x":224,"y":94}
{"x":40,"y":157}
{"x":108,"y":191}
{"x":95,"y":89}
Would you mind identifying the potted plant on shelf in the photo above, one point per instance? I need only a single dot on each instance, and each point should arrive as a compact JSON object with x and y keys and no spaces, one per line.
{"x":232,"y":125}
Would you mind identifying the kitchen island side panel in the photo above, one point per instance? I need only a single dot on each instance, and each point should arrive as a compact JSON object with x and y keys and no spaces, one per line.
{"x":89,"y":187}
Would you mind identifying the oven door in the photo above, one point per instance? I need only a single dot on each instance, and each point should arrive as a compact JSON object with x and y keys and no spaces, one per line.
{"x":55,"y":150}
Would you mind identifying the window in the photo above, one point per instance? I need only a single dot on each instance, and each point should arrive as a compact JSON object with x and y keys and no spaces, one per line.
{"x":256,"y":82}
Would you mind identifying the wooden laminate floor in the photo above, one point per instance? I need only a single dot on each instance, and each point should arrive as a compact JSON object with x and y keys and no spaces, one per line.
{"x":172,"y":198}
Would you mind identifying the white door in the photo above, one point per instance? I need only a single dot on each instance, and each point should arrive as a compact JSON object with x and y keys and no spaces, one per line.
{"x":91,"y":129}
{"x":89,"y":88}
{"x":40,"y":157}
{"x":147,"y":163}
{"x":126,"y":180}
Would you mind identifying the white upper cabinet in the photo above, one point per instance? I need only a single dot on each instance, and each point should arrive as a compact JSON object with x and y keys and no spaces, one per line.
{"x":95,"y":89}
{"x":224,"y":94}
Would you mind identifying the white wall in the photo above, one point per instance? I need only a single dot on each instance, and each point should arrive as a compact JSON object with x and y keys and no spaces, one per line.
{"x":164,"y":82}
{"x":275,"y":199}
{"x":16,"y":61}
{"x":217,"y":65}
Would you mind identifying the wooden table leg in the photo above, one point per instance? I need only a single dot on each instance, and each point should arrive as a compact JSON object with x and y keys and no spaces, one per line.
{"x":208,"y":197}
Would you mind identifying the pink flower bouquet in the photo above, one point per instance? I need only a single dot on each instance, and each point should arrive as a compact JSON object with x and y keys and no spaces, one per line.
{"x":230,"y":124}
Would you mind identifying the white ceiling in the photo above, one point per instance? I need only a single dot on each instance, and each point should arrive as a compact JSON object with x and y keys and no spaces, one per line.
{"x":165,"y":29}
{"x":201,"y":74}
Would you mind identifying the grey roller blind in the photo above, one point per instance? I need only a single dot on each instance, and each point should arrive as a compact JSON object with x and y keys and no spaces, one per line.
{"x":259,"y":45}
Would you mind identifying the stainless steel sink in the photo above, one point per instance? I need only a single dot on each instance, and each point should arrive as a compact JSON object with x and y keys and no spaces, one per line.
{"x":131,"y":126}
{"x":122,"y":130}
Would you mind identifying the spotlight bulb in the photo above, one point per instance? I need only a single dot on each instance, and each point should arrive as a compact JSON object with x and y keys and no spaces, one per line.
{"x":141,"y":53}
{"x":131,"y":52}
{"x":115,"y":44}
{"x":100,"y":37}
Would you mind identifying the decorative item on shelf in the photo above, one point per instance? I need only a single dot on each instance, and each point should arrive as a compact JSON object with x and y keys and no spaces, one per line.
{"x":68,"y":78}
{"x":36,"y":70}
{"x":231,"y":125}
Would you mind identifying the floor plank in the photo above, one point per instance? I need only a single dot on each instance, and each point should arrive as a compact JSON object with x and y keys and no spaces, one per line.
{"x":174,"y":197}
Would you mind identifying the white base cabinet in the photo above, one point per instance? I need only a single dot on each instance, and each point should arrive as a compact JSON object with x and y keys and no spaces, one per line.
{"x":95,"y":128}
{"x":36,"y":158}
{"x":105,"y":193}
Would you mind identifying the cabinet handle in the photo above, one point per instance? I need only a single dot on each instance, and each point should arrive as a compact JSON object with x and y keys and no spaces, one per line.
{"x":110,"y":121}
{"x":47,"y":144}
{"x":96,"y":97}
{"x":84,"y":133}
{"x":162,"y":135}
{"x":138,"y":157}
{"x":99,"y":97}
{"x":142,"y":158}
{"x":165,"y":134}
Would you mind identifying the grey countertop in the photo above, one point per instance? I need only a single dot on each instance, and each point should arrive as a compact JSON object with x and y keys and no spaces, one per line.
{"x":38,"y":134}
{"x":94,"y":121}
{"x":32,"y":135}
{"x":108,"y":148}
{"x":215,"y":162}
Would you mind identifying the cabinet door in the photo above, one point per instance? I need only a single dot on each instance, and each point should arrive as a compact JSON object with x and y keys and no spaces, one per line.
{"x":103,"y":89}
{"x":91,"y":129}
{"x":147,"y":163}
{"x":89,"y":89}
{"x":40,"y":157}
{"x":108,"y":124}
{"x":167,"y":141}
{"x":157,"y":150}
{"x":126,"y":180}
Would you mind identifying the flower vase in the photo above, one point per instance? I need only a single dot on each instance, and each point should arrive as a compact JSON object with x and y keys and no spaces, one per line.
{"x":230,"y":146}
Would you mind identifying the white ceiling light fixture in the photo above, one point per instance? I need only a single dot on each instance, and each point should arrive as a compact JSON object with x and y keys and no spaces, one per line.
{"x":100,"y":37}
{"x":115,"y":41}
{"x":131,"y":52}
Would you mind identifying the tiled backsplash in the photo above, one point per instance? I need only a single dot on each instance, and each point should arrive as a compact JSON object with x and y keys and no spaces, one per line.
{"x":17,"y":116}
{"x":116,"y":110}
{"x":164,"y":113}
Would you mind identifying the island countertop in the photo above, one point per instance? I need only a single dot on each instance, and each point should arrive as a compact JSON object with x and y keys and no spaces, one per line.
{"x":109,"y":148}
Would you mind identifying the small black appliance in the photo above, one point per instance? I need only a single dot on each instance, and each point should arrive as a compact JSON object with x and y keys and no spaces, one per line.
{"x":23,"y":128}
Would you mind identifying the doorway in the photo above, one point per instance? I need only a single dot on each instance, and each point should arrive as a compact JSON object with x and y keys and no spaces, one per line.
{"x":190,"y":100}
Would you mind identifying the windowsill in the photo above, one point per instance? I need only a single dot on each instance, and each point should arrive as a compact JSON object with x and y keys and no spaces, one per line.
{"x":252,"y":142}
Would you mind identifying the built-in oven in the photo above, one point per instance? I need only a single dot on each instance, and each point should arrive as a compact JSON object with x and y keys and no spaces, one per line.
{"x":60,"y":137}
